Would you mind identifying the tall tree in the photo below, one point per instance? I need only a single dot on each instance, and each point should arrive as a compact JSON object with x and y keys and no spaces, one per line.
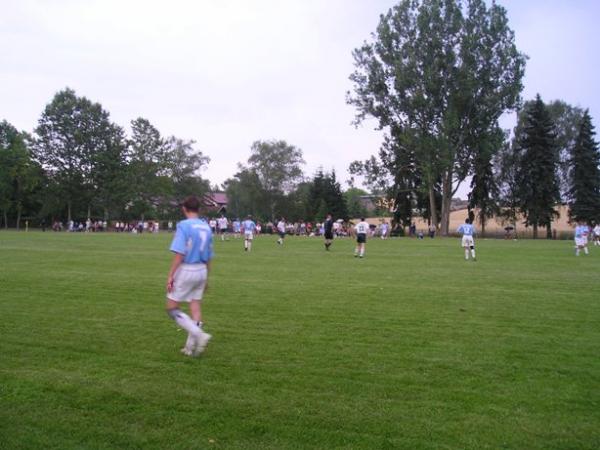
{"x":438,"y":75}
{"x":485,"y":193}
{"x":246,"y":195}
{"x":148,"y":167}
{"x":585,"y":174}
{"x":278,"y":166}
{"x":71,"y":133}
{"x":537,"y":174}
{"x":355,"y":208}
{"x":326,"y":193}
{"x":567,"y":120}
{"x":20,"y":175}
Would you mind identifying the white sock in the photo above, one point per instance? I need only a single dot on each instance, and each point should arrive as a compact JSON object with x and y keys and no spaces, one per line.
{"x":473,"y":253}
{"x":586,"y":251}
{"x":185,"y":322}
{"x":577,"y":252}
{"x":466,"y":254}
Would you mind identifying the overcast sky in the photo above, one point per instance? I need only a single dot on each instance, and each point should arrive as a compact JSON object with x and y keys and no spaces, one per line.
{"x":228,"y":72}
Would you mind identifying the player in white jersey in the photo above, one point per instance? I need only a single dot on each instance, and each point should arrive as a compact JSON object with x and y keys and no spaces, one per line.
{"x":248,"y":228}
{"x":223,"y":224}
{"x":468,"y":243}
{"x":361,"y":229}
{"x":581,"y":238}
{"x":281,"y":231}
{"x":596,"y":232}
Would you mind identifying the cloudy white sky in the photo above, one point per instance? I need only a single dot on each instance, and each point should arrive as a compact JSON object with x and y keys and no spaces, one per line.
{"x":228,"y":72}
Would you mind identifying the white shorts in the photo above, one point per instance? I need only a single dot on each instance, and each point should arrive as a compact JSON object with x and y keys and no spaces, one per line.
{"x":580,"y":242}
{"x":188,"y":283}
{"x":468,"y":241}
{"x":248,"y":236}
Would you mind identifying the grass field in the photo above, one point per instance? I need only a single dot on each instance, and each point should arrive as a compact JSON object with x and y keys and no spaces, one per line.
{"x":411,"y":347}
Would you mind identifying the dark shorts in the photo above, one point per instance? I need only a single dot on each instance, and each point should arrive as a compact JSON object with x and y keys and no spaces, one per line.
{"x":361,"y":238}
{"x":281,"y":235}
{"x":328,"y":235}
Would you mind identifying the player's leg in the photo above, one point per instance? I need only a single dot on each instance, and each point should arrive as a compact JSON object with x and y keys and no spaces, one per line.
{"x":202,"y":340}
{"x":473,"y":250}
{"x":185,"y":322}
{"x":362,"y":250}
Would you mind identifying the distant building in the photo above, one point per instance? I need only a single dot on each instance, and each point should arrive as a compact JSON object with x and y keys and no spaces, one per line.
{"x":216,"y":202}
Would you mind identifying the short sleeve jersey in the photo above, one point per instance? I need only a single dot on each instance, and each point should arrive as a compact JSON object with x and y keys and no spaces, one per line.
{"x":466,"y":229}
{"x":581,"y":231}
{"x":249,"y":226}
{"x":193,"y":239}
{"x":281,"y":226}
{"x":329,"y":226}
{"x":362,"y":228}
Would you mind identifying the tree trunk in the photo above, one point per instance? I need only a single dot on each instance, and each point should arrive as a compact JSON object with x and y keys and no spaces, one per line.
{"x":5,"y":220}
{"x":446,"y":202}
{"x":69,"y":211}
{"x":106,"y":214}
{"x":482,"y":220}
{"x":432,"y":205}
{"x":549,"y":231}
{"x":535,"y":231}
{"x":89,"y":212}
{"x":19,"y":209}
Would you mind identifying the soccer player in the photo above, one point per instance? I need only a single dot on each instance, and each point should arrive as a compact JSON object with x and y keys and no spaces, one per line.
{"x":248,"y":228}
{"x":237,"y":228}
{"x":597,"y":234}
{"x":188,"y":277}
{"x":581,"y":240}
{"x":361,"y":228}
{"x":384,"y":230}
{"x":468,"y":243}
{"x":281,"y":231}
{"x":328,"y":231}
{"x":223,"y":224}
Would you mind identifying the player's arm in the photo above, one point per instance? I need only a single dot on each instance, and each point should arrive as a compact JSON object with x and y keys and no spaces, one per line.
{"x":177,"y":260}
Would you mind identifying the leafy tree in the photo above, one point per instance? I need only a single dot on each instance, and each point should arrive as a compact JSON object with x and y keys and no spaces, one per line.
{"x":71,"y":132}
{"x":325,"y":194}
{"x":20,"y":175}
{"x":585,"y":175}
{"x":506,"y":164}
{"x":278,"y":167}
{"x":437,"y":77}
{"x":538,"y":163}
{"x":355,"y":207}
{"x":148,"y":168}
{"x":184,"y":164}
{"x":484,"y":188}
{"x":246,"y":195}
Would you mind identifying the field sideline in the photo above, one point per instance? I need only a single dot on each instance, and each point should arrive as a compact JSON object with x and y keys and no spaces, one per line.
{"x":411,"y":347}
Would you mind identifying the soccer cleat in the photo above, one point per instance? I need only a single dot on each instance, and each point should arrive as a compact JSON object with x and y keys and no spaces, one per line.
{"x":186,"y":351}
{"x":201,"y":343}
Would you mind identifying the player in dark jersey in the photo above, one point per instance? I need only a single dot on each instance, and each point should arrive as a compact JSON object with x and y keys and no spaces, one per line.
{"x":328,"y":231}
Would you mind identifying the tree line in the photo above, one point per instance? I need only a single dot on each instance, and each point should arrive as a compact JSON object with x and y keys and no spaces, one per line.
{"x":437,"y":77}
{"x":78,"y":164}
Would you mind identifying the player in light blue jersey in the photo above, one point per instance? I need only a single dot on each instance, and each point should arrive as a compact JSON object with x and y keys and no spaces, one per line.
{"x":237,"y":228}
{"x":188,"y":277}
{"x":248,"y":228}
{"x":581,"y":238}
{"x":468,"y":231}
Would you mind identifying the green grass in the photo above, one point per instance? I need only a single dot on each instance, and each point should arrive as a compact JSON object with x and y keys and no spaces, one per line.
{"x":411,"y":347}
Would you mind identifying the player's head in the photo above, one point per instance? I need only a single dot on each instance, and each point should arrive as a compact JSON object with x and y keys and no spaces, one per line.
{"x":328,"y":215}
{"x":191,"y":205}
{"x":362,"y":219}
{"x":467,"y":220}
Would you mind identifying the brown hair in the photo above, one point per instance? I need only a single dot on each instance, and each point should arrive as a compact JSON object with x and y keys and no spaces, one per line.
{"x":191,"y":203}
